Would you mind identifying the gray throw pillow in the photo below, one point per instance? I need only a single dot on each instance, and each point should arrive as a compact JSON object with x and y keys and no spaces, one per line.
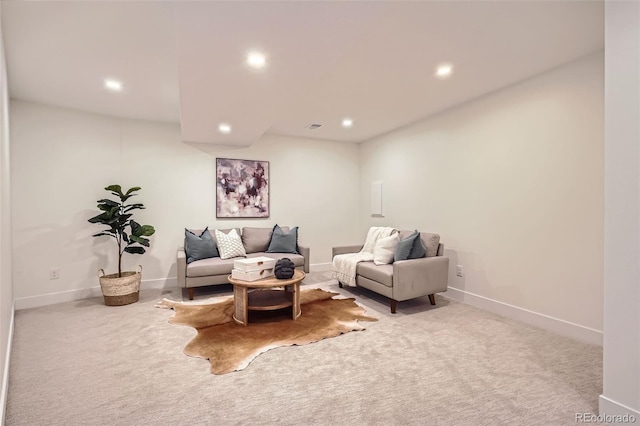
{"x":418,"y":250}
{"x":404,"y":247}
{"x":199,"y":247}
{"x":283,"y":242}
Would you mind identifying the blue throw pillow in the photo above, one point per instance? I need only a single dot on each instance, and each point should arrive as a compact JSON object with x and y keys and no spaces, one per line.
{"x":405,"y":247}
{"x":199,"y":247}
{"x":283,"y":242}
{"x":418,"y":250}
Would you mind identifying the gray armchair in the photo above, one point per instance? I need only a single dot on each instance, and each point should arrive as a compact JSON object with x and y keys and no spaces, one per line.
{"x":405,"y":279}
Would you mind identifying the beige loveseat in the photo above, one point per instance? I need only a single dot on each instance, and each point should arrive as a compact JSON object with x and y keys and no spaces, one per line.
{"x":215,"y":270}
{"x":405,"y":279}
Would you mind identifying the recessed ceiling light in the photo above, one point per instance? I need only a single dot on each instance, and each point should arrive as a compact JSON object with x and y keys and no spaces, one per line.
{"x":113,"y":85}
{"x":256,"y":60}
{"x":444,"y":70}
{"x":224,"y":128}
{"x":347,"y":122}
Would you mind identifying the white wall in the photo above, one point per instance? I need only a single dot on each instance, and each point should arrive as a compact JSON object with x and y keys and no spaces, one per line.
{"x":621,"y":361}
{"x":513,"y":183}
{"x":62,"y":160}
{"x":6,"y":293}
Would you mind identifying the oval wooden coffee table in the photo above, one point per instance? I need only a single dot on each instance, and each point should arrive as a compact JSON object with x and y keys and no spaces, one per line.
{"x":265,"y":296}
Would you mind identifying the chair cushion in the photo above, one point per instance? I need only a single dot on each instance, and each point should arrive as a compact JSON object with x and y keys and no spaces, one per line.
{"x":380,"y":273}
{"x":199,"y":246}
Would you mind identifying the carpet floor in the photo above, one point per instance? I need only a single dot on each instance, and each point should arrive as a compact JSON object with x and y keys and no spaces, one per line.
{"x":83,"y":363}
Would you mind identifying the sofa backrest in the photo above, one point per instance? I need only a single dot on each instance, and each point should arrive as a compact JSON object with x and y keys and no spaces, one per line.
{"x":212,"y":232}
{"x":254,"y":239}
{"x":430,"y":241}
{"x":257,"y":240}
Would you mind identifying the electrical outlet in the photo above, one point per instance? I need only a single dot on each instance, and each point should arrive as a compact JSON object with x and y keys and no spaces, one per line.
{"x":459,"y":271}
{"x":54,"y":273}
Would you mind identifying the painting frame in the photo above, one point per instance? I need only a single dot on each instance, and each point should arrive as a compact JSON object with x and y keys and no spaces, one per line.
{"x":242,"y":188}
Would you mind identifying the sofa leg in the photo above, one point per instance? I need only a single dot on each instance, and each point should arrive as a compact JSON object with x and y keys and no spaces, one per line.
{"x":432,"y":299}
{"x":191,"y":293}
{"x":340,"y":284}
{"x":393,"y":304}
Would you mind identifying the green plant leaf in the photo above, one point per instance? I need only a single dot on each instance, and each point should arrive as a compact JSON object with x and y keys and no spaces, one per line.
{"x":135,"y":188}
{"x":140,"y":240}
{"x":147,"y":230}
{"x":135,"y":227}
{"x":117,"y":189}
{"x":133,"y":207}
{"x":103,"y":233}
{"x":108,"y":202}
{"x":101,"y":218}
{"x":125,"y":237}
{"x":134,"y":249}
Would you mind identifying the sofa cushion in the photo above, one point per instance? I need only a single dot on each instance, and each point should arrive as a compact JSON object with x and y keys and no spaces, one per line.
{"x":230,"y":245}
{"x":418,"y":249}
{"x":257,"y":239}
{"x":431,"y":242}
{"x":199,"y":246}
{"x":225,"y":231}
{"x":384,"y":249}
{"x":297,"y":259}
{"x":283,"y":241}
{"x":380,"y":273}
{"x":209,"y":267}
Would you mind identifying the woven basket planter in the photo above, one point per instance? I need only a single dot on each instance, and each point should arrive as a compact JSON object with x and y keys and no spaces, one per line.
{"x":118,"y":291}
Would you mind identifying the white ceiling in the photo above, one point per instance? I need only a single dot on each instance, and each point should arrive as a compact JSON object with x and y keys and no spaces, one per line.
{"x":183,"y":61}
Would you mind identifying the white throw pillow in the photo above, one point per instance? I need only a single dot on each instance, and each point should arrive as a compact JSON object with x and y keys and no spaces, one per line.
{"x":384,"y":249}
{"x":230,"y":245}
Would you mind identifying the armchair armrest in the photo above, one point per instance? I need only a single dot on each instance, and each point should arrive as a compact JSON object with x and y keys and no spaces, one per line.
{"x":346,"y":249}
{"x":420,"y":277}
{"x":181,"y":262}
{"x":306,"y":252}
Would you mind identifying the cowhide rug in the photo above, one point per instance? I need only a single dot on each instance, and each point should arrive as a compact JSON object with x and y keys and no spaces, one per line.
{"x":231,"y":347}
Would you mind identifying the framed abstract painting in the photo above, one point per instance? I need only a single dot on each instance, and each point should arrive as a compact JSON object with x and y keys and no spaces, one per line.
{"x":242,"y":188}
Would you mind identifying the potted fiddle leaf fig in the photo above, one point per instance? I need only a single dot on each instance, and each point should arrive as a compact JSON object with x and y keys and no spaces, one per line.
{"x":122,"y":288}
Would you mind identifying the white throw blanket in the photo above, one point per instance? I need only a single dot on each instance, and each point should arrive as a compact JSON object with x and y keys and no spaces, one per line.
{"x":344,"y":265}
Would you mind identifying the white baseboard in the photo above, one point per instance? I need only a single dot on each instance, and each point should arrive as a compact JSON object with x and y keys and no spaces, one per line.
{"x":558,"y":326}
{"x":84,"y":293}
{"x":320,"y":267}
{"x":7,"y":357}
{"x":615,"y":413}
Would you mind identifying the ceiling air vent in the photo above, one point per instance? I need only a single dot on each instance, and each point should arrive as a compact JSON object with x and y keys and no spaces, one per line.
{"x":313,"y":126}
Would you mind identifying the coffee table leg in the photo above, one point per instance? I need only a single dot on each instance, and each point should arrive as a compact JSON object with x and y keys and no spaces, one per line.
{"x":296,"y":300}
{"x":241,"y":304}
